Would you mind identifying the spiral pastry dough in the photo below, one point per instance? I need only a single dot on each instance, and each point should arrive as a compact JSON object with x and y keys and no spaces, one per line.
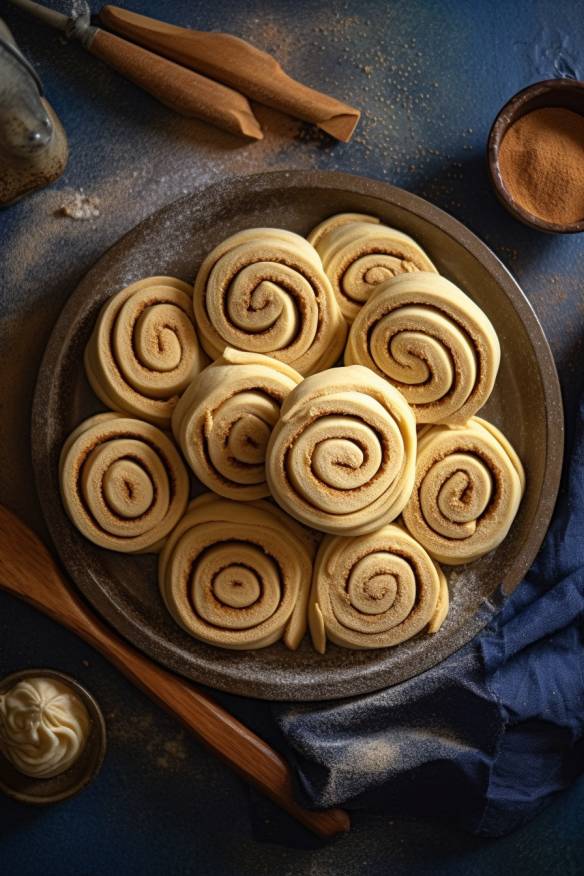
{"x":334,"y":222}
{"x":264,"y":290}
{"x":358,"y":253}
{"x":123,"y":483}
{"x":374,"y":591}
{"x":144,"y":350}
{"x":341,"y":458}
{"x":237,"y":576}
{"x":469,"y":483}
{"x":424,"y":335}
{"x":224,"y":420}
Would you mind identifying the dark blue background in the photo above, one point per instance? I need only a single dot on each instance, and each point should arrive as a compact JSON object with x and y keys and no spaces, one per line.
{"x":430,"y":78}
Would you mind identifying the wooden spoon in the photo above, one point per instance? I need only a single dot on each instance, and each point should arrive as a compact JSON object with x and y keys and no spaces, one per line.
{"x":27,"y":570}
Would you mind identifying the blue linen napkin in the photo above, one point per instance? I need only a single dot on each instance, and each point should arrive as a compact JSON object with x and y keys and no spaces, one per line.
{"x":488,"y":736}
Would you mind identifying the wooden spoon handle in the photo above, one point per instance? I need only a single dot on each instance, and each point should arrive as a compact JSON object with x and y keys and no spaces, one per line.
{"x":182,"y":90}
{"x":236,"y":63}
{"x":28,"y":571}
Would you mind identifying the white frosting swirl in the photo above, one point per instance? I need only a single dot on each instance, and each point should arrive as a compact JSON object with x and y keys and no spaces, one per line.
{"x":43,"y":726}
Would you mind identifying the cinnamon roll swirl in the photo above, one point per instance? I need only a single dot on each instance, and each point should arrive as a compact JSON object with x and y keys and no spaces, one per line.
{"x":359,"y":252}
{"x":224,"y":420}
{"x":468,"y":487}
{"x":264,"y":290}
{"x":374,"y":590}
{"x":123,"y":483}
{"x":144,"y":351}
{"x":341,"y":458}
{"x":432,"y":342}
{"x":238,"y":575}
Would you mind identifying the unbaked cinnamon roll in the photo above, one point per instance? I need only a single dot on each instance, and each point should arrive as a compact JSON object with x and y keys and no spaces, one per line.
{"x":264,"y":290}
{"x":432,"y":342}
{"x":333,"y":222}
{"x":144,"y":351}
{"x":341,"y":458}
{"x":238,"y":575}
{"x":224,"y":420}
{"x":469,"y":484}
{"x":359,"y":252}
{"x":123,"y":483}
{"x":374,"y":590}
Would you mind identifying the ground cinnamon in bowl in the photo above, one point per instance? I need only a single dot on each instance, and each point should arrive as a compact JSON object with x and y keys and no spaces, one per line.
{"x":541,"y":161}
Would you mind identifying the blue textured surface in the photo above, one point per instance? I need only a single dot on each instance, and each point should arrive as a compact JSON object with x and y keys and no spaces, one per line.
{"x":430,"y":77}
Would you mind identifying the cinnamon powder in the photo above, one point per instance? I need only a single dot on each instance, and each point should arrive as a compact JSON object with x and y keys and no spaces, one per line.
{"x":542,"y":164}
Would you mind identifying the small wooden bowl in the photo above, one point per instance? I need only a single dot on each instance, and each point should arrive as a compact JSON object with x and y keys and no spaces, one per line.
{"x":566,"y":93}
{"x":27,"y":789}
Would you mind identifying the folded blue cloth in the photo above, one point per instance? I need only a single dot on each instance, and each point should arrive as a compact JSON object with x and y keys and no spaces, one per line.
{"x":491,"y":734}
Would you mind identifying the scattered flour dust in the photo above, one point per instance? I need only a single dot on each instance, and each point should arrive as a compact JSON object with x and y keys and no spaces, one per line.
{"x":369,"y":763}
{"x":105,"y":195}
{"x":77,"y":205}
{"x":80,"y":9}
{"x":140,"y":732}
{"x":376,"y":756}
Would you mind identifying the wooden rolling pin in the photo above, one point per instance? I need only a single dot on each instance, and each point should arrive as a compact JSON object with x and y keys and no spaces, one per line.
{"x":27,"y":570}
{"x":237,"y":63}
{"x":184,"y":91}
